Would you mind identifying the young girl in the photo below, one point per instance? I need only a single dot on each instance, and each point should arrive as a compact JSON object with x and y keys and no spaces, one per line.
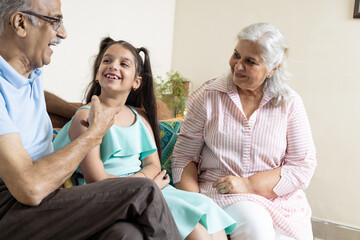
{"x":131,"y":147}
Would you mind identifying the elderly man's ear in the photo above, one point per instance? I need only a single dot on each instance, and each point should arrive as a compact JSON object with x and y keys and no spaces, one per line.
{"x":18,"y":24}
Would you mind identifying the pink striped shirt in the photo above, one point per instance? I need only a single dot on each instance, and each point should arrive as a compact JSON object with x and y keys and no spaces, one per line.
{"x":217,"y":136}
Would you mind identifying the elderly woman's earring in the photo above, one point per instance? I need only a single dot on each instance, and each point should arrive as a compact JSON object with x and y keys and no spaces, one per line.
{"x":97,"y":80}
{"x":134,"y":89}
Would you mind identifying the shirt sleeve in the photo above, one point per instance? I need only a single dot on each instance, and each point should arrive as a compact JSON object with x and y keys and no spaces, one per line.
{"x":6,"y":124}
{"x":300,"y":160}
{"x":191,"y":138}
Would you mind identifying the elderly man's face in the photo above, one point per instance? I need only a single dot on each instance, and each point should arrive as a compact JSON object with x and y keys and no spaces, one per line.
{"x":40,"y":36}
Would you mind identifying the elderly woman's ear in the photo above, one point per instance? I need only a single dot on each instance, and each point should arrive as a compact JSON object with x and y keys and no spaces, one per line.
{"x":270,"y":74}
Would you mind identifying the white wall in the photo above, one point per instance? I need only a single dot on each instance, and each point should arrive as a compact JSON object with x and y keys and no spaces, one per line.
{"x":324,"y":58}
{"x":141,"y":22}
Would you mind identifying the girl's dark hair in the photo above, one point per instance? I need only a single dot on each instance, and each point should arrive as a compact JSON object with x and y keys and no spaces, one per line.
{"x":144,"y":96}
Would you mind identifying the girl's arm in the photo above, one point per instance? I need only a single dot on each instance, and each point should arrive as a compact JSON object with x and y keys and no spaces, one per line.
{"x":151,"y":167}
{"x":92,"y":166}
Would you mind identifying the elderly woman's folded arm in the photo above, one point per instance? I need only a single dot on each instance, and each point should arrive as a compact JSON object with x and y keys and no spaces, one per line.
{"x":300,"y":158}
{"x":263,"y":183}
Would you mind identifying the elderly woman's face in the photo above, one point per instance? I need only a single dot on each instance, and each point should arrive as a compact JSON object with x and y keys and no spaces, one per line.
{"x":247,"y":67}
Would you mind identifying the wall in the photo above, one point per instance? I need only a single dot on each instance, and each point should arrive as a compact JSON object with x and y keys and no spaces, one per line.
{"x":141,"y":22}
{"x":324,"y":59}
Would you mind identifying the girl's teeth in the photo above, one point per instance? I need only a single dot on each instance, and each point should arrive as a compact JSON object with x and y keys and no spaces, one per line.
{"x":112,"y":77}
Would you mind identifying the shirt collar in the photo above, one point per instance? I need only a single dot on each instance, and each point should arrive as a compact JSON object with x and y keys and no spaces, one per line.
{"x":15,"y":78}
{"x":220,"y":84}
{"x":223,"y":84}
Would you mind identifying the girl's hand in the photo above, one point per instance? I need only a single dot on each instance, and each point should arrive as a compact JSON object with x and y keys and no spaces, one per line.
{"x":162,"y":179}
{"x":232,"y":185}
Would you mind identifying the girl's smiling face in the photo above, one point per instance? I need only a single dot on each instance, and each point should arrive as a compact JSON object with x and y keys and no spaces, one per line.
{"x":117,"y":70}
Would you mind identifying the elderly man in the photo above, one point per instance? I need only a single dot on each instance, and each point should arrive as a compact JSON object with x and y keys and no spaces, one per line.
{"x":31,"y":205}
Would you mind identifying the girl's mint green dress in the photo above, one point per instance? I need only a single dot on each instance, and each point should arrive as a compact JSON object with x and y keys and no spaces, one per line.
{"x":123,"y":149}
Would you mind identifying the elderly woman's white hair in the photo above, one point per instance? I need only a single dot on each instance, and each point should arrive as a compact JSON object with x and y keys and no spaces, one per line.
{"x":8,"y":7}
{"x":273,"y":51}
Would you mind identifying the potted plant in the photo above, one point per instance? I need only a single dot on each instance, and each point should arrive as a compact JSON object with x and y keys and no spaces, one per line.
{"x":173,"y":90}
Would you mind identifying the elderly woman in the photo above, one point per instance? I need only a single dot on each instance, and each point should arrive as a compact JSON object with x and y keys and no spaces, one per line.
{"x":246,"y":142}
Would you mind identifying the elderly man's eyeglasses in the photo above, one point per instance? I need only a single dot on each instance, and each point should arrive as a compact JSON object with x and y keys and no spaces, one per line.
{"x":55,"y":22}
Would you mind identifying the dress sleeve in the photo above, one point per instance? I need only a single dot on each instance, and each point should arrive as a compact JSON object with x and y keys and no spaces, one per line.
{"x":191,"y":138}
{"x":299,"y":160}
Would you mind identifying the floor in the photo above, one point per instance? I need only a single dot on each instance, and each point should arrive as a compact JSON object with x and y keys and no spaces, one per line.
{"x":323,"y":230}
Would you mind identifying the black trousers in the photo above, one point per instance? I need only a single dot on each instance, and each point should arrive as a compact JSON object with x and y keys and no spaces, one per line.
{"x":119,"y":208}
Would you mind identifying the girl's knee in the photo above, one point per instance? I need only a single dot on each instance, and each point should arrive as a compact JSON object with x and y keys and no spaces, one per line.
{"x":199,"y":232}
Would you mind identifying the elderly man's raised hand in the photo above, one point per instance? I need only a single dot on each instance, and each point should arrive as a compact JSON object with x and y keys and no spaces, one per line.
{"x":100,"y":118}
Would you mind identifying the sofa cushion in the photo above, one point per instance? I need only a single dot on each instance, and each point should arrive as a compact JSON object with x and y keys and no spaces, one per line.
{"x":168,"y":136}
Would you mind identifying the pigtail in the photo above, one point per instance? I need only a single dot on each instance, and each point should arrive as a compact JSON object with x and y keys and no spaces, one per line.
{"x":149,"y":99}
{"x":144,"y":96}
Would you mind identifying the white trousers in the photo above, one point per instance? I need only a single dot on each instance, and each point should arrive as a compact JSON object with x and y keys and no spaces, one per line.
{"x":253,"y":222}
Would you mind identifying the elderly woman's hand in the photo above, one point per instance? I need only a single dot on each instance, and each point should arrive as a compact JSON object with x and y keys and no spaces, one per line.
{"x":261,"y":183}
{"x":233,"y":185}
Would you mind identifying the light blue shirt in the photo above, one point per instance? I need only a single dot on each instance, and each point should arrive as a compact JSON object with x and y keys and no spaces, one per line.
{"x":23,"y":110}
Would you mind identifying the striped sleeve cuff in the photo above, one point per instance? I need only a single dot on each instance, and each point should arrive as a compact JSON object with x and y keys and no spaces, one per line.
{"x":176,"y":174}
{"x":283,"y":187}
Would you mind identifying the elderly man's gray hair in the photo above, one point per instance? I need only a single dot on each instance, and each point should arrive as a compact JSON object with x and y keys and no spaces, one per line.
{"x":8,"y":7}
